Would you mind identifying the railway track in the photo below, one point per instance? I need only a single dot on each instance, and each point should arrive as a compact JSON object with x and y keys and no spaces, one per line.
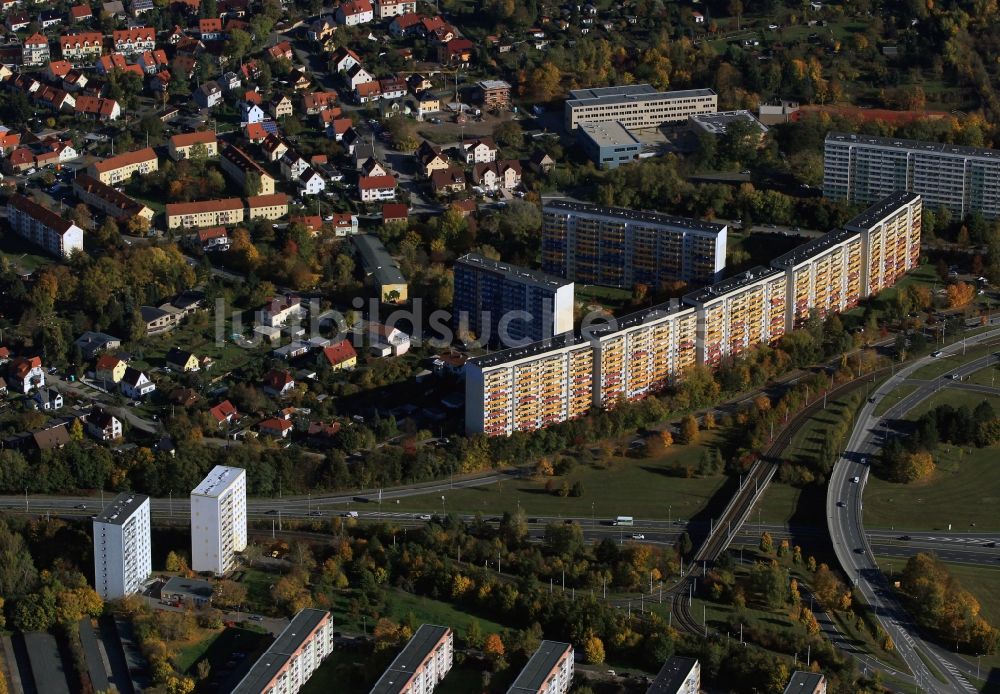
{"x":752,"y":489}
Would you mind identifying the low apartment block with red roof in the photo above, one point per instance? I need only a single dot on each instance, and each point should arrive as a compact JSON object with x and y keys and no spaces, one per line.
{"x":121,"y":167}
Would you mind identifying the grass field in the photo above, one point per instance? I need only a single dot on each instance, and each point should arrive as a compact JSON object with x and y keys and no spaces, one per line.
{"x":892,"y":399}
{"x":985,"y":377}
{"x":964,"y":489}
{"x":787,"y":504}
{"x":639,"y":487}
{"x":947,"y":364}
{"x":953,"y":397}
{"x":400,"y":604}
{"x":218,"y":647}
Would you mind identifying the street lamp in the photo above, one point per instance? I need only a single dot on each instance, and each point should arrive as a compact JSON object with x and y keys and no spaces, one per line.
{"x":442,"y":506}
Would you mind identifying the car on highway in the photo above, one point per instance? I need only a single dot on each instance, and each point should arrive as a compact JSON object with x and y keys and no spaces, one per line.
{"x":315,"y":513}
{"x":937,"y":354}
{"x":424,"y":517}
{"x":638,"y":536}
{"x":272,"y":512}
{"x":859,"y":550}
{"x":955,"y":377}
{"x":904,"y":538}
{"x":990,"y":544}
{"x":81,"y":506}
{"x":841,"y":504}
{"x":256,"y":618}
{"x":855,"y":479}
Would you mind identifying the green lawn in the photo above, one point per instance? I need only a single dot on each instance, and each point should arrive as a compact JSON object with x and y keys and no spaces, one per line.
{"x":258,"y":583}
{"x":218,"y":647}
{"x":964,"y":490}
{"x":22,"y":255}
{"x":947,"y":364}
{"x":348,"y":672}
{"x":954,"y":397}
{"x":400,"y":604}
{"x":611,"y":297}
{"x":892,"y":399}
{"x":986,"y":376}
{"x":639,"y":487}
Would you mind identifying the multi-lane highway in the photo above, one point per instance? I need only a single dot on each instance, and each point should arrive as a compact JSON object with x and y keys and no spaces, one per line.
{"x":854,"y":548}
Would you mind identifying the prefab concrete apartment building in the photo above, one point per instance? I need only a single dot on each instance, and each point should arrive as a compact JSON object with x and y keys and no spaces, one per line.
{"x":122,"y":553}
{"x":293,"y":657}
{"x":548,"y":671}
{"x":421,"y":665}
{"x":864,"y":169}
{"x":636,"y":106}
{"x":43,"y":227}
{"x":492,"y":296}
{"x":619,"y":247}
{"x":677,"y":676}
{"x":219,"y":519}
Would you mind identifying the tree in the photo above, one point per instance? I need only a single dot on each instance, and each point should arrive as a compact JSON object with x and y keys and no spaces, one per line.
{"x":913,"y":467}
{"x":238,"y":44}
{"x":689,"y":430}
{"x":176,"y":562}
{"x":493,"y":646}
{"x":474,"y":634}
{"x":229,"y":594}
{"x":593,"y":650}
{"x":960,"y":294}
{"x":546,"y":82}
{"x":251,"y":184}
{"x":766,"y":543}
{"x":509,"y":134}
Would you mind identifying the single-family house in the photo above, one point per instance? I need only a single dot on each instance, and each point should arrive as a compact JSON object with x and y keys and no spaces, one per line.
{"x":278,"y":382}
{"x":25,"y":374}
{"x":448,"y":181}
{"x":274,"y":147}
{"x":395,"y":212}
{"x":315,"y":102}
{"x":48,"y":399}
{"x":109,"y":370}
{"x":210,"y":29}
{"x":281,"y":309}
{"x":281,"y":106}
{"x":321,"y":29}
{"x":310,"y":182}
{"x":431,"y":159}
{"x":394,"y":8}
{"x":281,"y":51}
{"x":406,"y":24}
{"x":355,"y":12}
{"x":358,"y":75}
{"x":182,"y":360}
{"x":479,"y":151}
{"x":157,"y":320}
{"x":214,"y":239}
{"x":35,"y":50}
{"x":224,"y":413}
{"x":381,"y":336}
{"x":339,"y":357}
{"x":252,"y":113}
{"x":103,"y":425}
{"x":343,"y":59}
{"x":92,"y":343}
{"x":208,"y":95}
{"x":376,"y":188}
{"x":136,"y":385}
{"x":276,"y":427}
{"x":367,"y":92}
{"x":497,"y":174}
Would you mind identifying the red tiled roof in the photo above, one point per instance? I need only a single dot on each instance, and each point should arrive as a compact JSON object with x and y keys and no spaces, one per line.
{"x":376,"y":182}
{"x":339,"y":353}
{"x":223,"y":410}
{"x":176,"y":208}
{"x":267,"y":200}
{"x":135,"y":157}
{"x":203,"y":137}
{"x":395,"y":211}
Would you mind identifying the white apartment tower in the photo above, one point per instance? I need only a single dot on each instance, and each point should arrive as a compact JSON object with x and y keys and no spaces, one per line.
{"x":122,"y":555}
{"x":219,"y":519}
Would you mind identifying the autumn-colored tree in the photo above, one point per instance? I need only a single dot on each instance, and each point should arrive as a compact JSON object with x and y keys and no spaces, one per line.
{"x":827,"y":588}
{"x":493,"y":646}
{"x":689,"y":430}
{"x":766,"y":543}
{"x":544,"y":468}
{"x":708,"y":421}
{"x":474,"y":634}
{"x":176,"y":562}
{"x":808,"y":620}
{"x":593,"y":650}
{"x":960,"y":294}
{"x":666,"y":438}
{"x":229,"y":594}
{"x":546,"y":82}
{"x":913,"y":467}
